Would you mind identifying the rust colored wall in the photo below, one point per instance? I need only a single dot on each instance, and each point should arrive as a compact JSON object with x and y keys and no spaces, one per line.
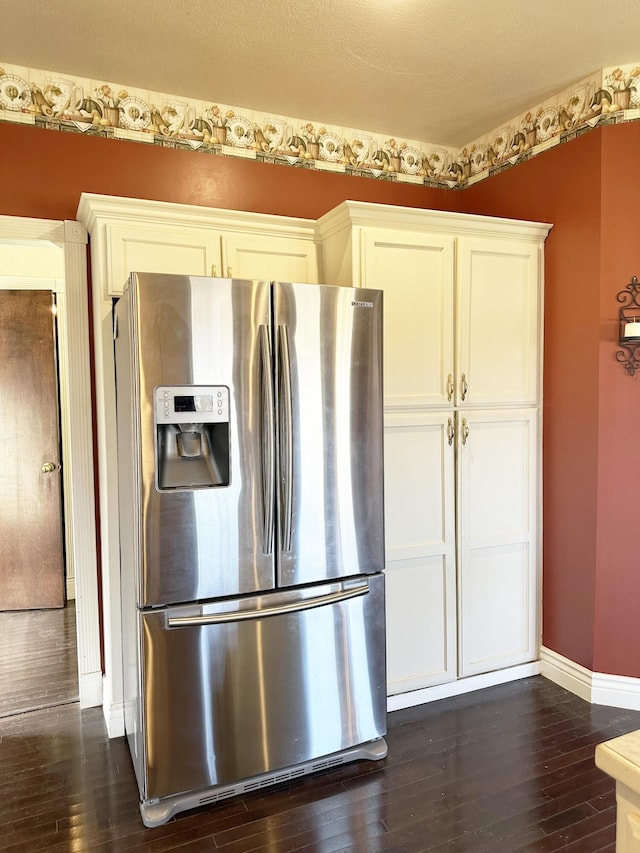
{"x":562,"y":186}
{"x":617,"y":645}
{"x":55,"y":167}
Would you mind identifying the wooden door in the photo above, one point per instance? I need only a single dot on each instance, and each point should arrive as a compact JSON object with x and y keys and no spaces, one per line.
{"x":31,"y":543}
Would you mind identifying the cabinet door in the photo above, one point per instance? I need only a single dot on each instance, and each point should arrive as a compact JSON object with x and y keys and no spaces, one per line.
{"x":158,"y":248}
{"x":416,"y":273}
{"x":497,"y":539}
{"x":497,"y":322}
{"x":276,"y":258}
{"x":420,"y":550}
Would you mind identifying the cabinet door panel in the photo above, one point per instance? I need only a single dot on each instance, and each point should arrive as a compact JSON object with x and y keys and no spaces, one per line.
{"x":416,"y":273}
{"x":420,"y":624}
{"x":420,"y":549}
{"x":156,"y":248}
{"x":273,"y":258}
{"x":498,"y":539}
{"x":419,"y":484}
{"x":497,"y":617}
{"x":497,"y":322}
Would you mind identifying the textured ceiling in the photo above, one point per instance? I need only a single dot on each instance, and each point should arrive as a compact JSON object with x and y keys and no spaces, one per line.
{"x":437,"y":71}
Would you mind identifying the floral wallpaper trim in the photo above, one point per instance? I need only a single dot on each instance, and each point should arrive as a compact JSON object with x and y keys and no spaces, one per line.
{"x":95,"y":108}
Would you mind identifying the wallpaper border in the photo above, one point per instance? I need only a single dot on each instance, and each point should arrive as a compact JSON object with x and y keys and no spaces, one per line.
{"x":57,"y":101}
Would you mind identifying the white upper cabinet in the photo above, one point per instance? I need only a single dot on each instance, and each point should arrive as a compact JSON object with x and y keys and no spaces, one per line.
{"x":497,"y":322}
{"x":133,"y":235}
{"x":275,"y":257}
{"x":415,"y":271}
{"x":158,"y":248}
{"x":463,"y":300}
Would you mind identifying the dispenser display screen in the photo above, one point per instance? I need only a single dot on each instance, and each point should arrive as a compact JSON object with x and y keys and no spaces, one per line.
{"x":197,"y":403}
{"x":184,"y":404}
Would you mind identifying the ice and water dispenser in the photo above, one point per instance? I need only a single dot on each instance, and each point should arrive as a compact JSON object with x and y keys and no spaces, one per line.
{"x":192,"y":436}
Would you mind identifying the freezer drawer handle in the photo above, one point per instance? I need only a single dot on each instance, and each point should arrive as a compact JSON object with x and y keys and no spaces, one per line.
{"x":278,"y":610}
{"x":268,"y":494}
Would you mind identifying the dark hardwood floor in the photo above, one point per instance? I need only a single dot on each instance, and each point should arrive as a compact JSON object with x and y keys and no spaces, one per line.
{"x":38,"y":659}
{"x":505,"y":769}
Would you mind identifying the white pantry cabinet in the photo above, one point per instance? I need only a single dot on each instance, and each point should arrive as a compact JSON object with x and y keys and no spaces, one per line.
{"x":462,"y":374}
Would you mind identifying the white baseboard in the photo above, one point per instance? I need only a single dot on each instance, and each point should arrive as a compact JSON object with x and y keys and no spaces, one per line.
{"x":113,"y":713}
{"x":114,"y":718}
{"x":71,"y":589}
{"x":599,"y":688}
{"x":462,"y":685}
{"x":90,"y":689}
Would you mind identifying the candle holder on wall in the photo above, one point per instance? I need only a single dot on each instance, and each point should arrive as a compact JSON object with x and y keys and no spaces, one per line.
{"x":629,"y":327}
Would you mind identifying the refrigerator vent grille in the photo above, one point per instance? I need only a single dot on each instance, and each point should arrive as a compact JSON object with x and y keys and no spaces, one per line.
{"x":322,"y":765}
{"x":266,"y":781}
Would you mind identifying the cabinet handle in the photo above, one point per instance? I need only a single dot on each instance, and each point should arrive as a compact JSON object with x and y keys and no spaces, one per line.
{"x":465,"y":430}
{"x":229,"y":273}
{"x":464,"y":388}
{"x":450,"y":387}
{"x":214,"y":270}
{"x":450,"y":432}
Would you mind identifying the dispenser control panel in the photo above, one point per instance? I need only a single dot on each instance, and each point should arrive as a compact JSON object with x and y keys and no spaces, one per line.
{"x":187,"y":404}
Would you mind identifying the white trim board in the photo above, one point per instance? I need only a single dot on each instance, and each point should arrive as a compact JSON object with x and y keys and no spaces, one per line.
{"x":617,"y":691}
{"x":462,"y":685}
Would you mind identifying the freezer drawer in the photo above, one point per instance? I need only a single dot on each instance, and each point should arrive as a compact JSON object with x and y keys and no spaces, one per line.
{"x":250,"y":694}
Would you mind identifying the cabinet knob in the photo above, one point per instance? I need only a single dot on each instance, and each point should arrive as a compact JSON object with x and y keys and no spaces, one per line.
{"x":450,"y":432}
{"x":465,"y":430}
{"x":464,"y":388}
{"x":449,"y":387}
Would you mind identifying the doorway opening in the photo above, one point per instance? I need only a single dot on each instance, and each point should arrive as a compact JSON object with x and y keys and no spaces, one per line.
{"x":38,"y":649}
{"x":50,"y":256}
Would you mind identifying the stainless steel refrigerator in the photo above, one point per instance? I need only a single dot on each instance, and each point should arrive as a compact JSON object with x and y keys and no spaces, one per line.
{"x":251,"y":522}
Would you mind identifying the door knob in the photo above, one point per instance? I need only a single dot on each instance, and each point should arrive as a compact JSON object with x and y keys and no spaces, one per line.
{"x":48,"y":467}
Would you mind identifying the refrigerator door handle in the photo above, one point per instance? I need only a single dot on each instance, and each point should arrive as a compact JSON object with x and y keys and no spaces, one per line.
{"x":286,"y":439}
{"x":276,"y":610}
{"x":268,"y":426}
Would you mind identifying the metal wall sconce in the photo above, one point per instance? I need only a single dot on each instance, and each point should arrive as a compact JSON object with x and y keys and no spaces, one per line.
{"x":629,"y":327}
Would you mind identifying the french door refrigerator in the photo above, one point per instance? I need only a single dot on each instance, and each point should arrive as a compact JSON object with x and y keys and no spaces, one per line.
{"x":250,"y":469}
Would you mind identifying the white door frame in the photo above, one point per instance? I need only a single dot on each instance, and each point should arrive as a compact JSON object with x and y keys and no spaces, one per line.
{"x":76,"y":424}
